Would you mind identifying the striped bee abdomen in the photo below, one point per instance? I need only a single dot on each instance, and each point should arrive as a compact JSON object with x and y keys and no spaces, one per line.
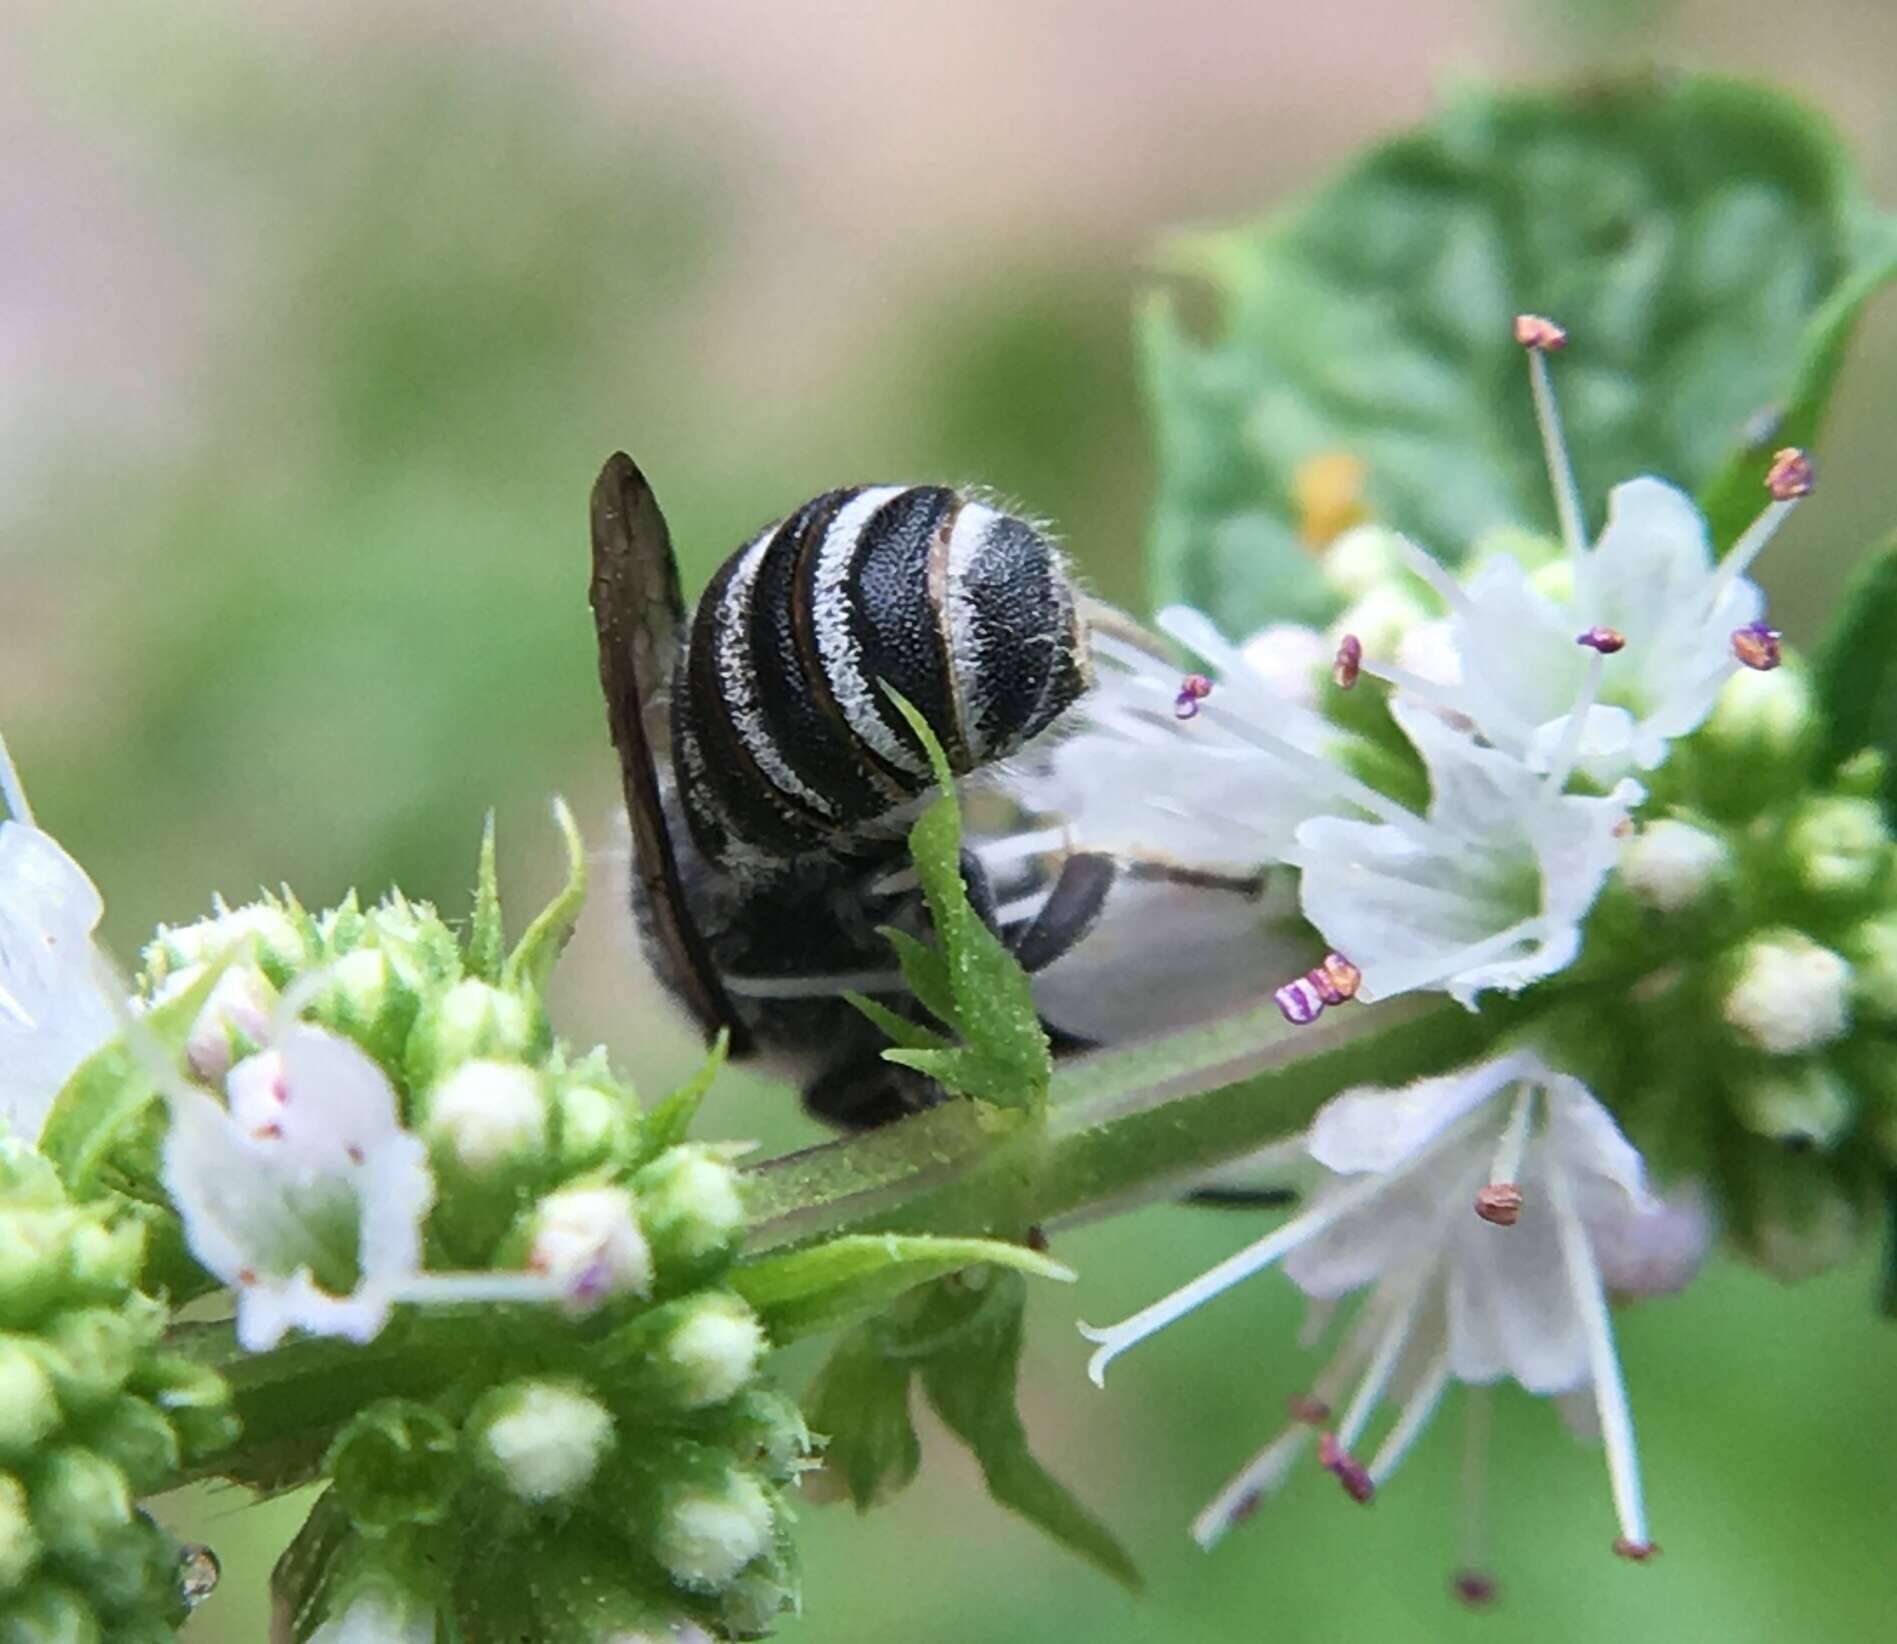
{"x":785,"y":741}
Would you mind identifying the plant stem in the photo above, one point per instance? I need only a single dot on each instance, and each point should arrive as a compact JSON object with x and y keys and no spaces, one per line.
{"x":1123,"y":1127}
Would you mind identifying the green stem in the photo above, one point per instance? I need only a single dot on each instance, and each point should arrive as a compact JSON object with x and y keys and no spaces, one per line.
{"x":1123,"y":1126}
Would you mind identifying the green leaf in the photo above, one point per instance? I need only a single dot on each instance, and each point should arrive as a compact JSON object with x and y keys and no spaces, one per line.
{"x":819,"y":1288}
{"x":860,"y":1403}
{"x":666,"y":1125}
{"x":1856,"y":668}
{"x":971,"y":981}
{"x":901,"y":1031}
{"x":1732,"y":495}
{"x":971,"y":1382}
{"x":1704,"y":241}
{"x":533,"y":959}
{"x":487,"y":941}
{"x":107,"y":1096}
{"x":926,"y":972}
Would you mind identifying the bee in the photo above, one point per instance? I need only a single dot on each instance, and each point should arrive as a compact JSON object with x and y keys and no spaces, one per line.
{"x":769,"y":780}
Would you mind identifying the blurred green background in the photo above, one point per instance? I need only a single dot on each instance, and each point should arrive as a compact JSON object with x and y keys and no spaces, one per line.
{"x":315,"y":322}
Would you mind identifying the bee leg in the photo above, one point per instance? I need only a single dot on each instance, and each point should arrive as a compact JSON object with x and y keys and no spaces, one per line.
{"x":861,"y":1095}
{"x":1071,"y":910}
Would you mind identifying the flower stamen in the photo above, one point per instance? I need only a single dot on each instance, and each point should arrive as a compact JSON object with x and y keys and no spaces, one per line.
{"x":1756,"y":646}
{"x":1610,"y":1391}
{"x":1113,"y":1340}
{"x":1193,"y":690}
{"x":1541,"y":337}
{"x":1788,"y":480}
{"x":1349,"y":1472}
{"x":1500,"y":1201}
{"x":1348,"y":663}
{"x":1333,"y":981}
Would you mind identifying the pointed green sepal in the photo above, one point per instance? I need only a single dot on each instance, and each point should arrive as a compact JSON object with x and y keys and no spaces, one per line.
{"x":533,"y":959}
{"x":806,"y":1291}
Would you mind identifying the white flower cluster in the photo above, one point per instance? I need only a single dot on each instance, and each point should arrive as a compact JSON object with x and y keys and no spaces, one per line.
{"x":1485,"y":1216}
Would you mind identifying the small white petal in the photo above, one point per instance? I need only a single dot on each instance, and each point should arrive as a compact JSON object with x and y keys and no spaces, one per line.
{"x":54,"y":1012}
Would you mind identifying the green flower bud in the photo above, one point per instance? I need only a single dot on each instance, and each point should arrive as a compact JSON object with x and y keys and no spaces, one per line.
{"x":89,"y":1354}
{"x":765,"y":1430}
{"x":79,"y":1498}
{"x":1789,"y":994}
{"x":1671,"y":866}
{"x":690,"y":1203}
{"x":595,"y":1126}
{"x":395,"y":1463}
{"x":486,"y":1113}
{"x":19,"y":1546}
{"x":367,"y":1001}
{"x":104,"y":1258}
{"x":1797,"y":1242}
{"x":750,"y":1606}
{"x":474,"y":1019}
{"x":541,"y":1440}
{"x":422,"y":949}
{"x":689,"y":1353}
{"x":29,"y":1409}
{"x":264,"y":931}
{"x":588,"y":1240}
{"x":137,"y":1439}
{"x":1360,"y":560}
{"x":1871,"y":948}
{"x":706,"y":1537}
{"x":1811,"y":1107}
{"x":1762,"y":719}
{"x":1839,"y":847}
{"x":193,"y":1398}
{"x":49,"y":1613}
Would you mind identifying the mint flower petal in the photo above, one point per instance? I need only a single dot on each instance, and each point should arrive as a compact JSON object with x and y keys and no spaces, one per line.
{"x":306,"y":1194}
{"x":1487,"y":890}
{"x":54,"y":1013}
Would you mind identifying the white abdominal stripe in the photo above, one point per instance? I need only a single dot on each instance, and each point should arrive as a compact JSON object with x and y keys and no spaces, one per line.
{"x":786,"y":740}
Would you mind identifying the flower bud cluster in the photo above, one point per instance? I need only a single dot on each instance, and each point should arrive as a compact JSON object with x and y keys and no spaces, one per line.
{"x":93,"y":1413}
{"x":1759,"y":892}
{"x":607,"y":1395}
{"x":1753,"y":904}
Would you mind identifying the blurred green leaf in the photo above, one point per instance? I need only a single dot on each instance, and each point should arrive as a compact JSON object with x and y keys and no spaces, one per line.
{"x":1856,"y":668}
{"x":962,"y":1336}
{"x":805,"y":1291}
{"x":1705,"y":242}
{"x":969,"y":980}
{"x":860,"y":1404}
{"x":971,"y":1383}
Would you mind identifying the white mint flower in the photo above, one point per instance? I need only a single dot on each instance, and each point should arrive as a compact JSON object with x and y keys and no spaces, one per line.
{"x":1487,"y":890}
{"x":54,"y":1009}
{"x":1679,"y":621}
{"x":306,"y":1193}
{"x":1485,"y":1214}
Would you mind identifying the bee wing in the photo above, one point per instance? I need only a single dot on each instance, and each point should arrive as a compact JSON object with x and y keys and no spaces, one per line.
{"x":637,"y":610}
